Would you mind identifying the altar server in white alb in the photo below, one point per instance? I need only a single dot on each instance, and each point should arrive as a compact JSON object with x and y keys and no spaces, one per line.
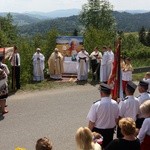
{"x":38,"y":65}
{"x":83,"y":65}
{"x":110,"y":60}
{"x":104,"y":66}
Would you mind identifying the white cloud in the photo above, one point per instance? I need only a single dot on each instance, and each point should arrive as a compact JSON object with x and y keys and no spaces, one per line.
{"x":39,"y":5}
{"x":130,"y":4}
{"x":50,"y":5}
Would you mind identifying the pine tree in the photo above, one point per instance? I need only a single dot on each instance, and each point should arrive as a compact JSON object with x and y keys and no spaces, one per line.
{"x":98,"y":14}
{"x":142,"y":36}
{"x":75,"y":33}
{"x":148,"y":38}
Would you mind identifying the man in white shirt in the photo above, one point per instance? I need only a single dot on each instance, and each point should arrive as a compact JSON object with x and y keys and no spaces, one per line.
{"x":103,"y":115}
{"x":95,"y":57}
{"x":144,"y":96}
{"x":129,"y":107}
{"x":15,"y":63}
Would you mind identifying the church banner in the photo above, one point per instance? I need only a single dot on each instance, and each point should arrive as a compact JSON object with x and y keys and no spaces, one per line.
{"x":68,"y":44}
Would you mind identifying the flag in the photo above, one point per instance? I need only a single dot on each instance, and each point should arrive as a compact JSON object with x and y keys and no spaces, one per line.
{"x":115,"y":79}
{"x":6,"y":52}
{"x":2,"y":51}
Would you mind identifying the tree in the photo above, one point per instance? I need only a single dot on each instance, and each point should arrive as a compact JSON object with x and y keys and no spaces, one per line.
{"x":142,"y":36}
{"x":94,"y":37}
{"x":98,"y":14}
{"x":50,"y":42}
{"x":3,"y":39}
{"x":148,"y":38}
{"x":75,"y":32}
{"x":9,"y":30}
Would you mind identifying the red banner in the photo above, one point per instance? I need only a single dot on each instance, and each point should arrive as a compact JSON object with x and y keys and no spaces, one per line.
{"x":115,"y":78}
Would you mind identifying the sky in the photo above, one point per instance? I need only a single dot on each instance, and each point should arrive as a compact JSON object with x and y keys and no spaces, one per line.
{"x":51,"y":5}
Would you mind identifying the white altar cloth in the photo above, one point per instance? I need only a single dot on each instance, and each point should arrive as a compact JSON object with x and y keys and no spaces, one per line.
{"x":70,"y":66}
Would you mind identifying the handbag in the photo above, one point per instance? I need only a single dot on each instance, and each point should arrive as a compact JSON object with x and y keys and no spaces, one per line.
{"x":3,"y":90}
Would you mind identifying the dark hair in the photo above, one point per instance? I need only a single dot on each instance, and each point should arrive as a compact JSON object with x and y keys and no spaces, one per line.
{"x":130,"y":90}
{"x":43,"y":144}
{"x":1,"y":58}
{"x":107,"y":92}
{"x":15,"y":47}
{"x":104,"y":47}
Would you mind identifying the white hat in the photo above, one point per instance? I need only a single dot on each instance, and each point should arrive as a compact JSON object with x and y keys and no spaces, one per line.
{"x":38,"y":49}
{"x":56,"y":49}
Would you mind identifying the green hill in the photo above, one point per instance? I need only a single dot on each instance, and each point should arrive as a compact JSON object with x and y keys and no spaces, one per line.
{"x":125,"y":22}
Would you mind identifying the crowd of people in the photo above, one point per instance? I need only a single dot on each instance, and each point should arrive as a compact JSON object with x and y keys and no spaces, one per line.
{"x":129,"y":117}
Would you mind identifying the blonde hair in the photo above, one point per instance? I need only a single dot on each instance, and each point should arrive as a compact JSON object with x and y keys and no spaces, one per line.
{"x":147,"y":74}
{"x":128,"y":126}
{"x":145,"y":108}
{"x":84,"y":138}
{"x":43,"y":144}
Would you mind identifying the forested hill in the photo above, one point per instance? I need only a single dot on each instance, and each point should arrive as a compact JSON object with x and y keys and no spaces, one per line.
{"x":125,"y":22}
{"x":131,"y":22}
{"x":64,"y":25}
{"x":22,"y":19}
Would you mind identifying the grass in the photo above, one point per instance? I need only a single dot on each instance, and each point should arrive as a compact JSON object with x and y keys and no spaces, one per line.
{"x":138,"y":76}
{"x":46,"y":85}
{"x":143,"y":62}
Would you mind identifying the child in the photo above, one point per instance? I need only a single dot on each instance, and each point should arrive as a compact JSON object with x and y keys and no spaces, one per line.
{"x":84,"y":140}
{"x":147,"y":79}
{"x":126,"y":73}
{"x":43,"y":144}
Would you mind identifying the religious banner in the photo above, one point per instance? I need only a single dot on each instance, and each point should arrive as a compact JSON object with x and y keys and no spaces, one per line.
{"x":69,"y":45}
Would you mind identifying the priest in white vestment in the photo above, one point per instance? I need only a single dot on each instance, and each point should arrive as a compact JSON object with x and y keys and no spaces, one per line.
{"x":83,"y":65}
{"x":38,"y":65}
{"x":55,"y":64}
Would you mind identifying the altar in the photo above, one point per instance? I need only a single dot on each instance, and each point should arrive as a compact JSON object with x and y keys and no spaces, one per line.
{"x":70,"y":67}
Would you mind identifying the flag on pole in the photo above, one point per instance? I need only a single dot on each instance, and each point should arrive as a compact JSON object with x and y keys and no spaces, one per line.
{"x":115,"y":80}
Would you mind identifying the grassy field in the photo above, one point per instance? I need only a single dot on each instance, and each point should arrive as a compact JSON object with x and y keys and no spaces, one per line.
{"x":45,"y":85}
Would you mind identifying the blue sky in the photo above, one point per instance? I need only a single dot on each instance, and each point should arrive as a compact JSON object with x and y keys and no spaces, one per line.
{"x":50,"y":5}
